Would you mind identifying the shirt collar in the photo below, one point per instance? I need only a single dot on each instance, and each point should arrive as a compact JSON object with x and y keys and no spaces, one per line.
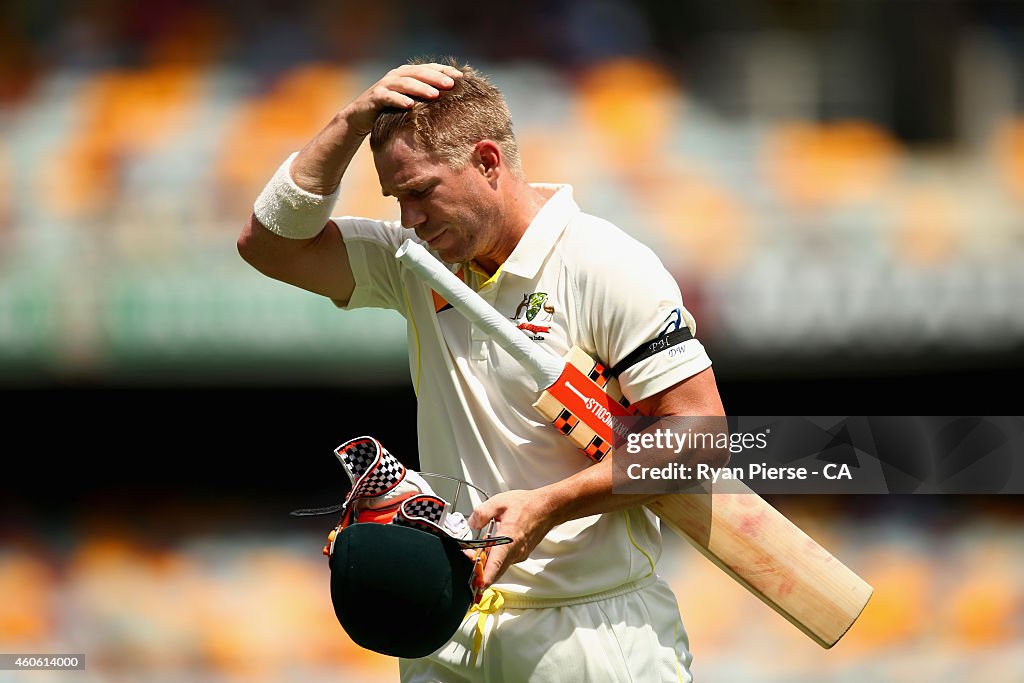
{"x":543,"y":232}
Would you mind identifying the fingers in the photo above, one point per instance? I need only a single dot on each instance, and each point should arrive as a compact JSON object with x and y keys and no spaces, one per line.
{"x":482,"y":514}
{"x":409,"y":85}
{"x":435,"y":74}
{"x":423,"y":81}
{"x":497,"y":556}
{"x":497,"y":563}
{"x":516,"y":518}
{"x":476,"y":520}
{"x":400,"y":88}
{"x":384,"y":96}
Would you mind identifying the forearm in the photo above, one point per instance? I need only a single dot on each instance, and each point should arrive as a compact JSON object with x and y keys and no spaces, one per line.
{"x":322,"y":162}
{"x":300,"y":196}
{"x":285,"y":237}
{"x":585,"y":493}
{"x":527,"y":516}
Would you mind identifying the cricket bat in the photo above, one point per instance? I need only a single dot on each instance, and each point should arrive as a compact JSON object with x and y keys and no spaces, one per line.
{"x":731,"y":525}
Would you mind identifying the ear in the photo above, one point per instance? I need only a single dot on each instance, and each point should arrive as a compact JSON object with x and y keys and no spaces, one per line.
{"x":487,"y":156}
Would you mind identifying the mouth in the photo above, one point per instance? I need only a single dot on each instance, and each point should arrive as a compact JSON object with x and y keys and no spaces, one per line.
{"x":433,"y":240}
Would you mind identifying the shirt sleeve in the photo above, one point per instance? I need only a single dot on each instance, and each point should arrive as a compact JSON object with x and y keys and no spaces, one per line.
{"x":628,"y":299}
{"x":371,"y":247}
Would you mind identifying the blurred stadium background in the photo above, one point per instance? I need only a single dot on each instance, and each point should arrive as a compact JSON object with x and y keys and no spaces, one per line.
{"x":838,"y":186}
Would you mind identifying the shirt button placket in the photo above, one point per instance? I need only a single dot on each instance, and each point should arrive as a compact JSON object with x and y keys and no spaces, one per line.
{"x":478,"y":340}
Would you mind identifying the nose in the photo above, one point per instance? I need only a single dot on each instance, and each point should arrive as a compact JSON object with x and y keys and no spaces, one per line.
{"x":412,"y":216}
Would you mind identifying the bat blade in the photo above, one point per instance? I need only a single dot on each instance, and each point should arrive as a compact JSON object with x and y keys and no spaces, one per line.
{"x":771,"y":557}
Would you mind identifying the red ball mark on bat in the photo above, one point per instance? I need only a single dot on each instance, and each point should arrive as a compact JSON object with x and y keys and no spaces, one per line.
{"x":761,"y":572}
{"x":751,"y":524}
{"x":536,"y":329}
{"x":786,"y":587}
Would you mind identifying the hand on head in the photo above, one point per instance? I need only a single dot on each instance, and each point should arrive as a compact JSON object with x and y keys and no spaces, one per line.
{"x":397,"y":89}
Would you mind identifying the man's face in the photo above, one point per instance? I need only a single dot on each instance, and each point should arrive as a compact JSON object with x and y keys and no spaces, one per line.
{"x":454,"y":211}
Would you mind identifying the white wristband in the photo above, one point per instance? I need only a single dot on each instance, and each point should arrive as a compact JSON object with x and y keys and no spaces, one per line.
{"x":287,"y":210}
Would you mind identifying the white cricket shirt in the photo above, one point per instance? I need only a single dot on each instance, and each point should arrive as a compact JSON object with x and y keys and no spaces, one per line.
{"x":573,"y":279}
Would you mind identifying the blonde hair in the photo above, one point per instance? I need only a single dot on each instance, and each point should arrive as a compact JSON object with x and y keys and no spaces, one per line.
{"x":448,"y":126}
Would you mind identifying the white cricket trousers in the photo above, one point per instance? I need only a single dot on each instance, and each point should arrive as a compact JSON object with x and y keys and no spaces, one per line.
{"x":630,"y":633}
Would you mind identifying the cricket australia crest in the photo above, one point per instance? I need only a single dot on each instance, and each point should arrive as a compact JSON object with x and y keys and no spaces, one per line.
{"x":533,"y":305}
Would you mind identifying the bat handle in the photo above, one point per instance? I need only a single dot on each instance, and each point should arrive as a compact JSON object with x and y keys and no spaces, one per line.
{"x":543,"y":366}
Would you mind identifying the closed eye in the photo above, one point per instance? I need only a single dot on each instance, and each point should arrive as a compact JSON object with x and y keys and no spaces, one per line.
{"x":412,"y":192}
